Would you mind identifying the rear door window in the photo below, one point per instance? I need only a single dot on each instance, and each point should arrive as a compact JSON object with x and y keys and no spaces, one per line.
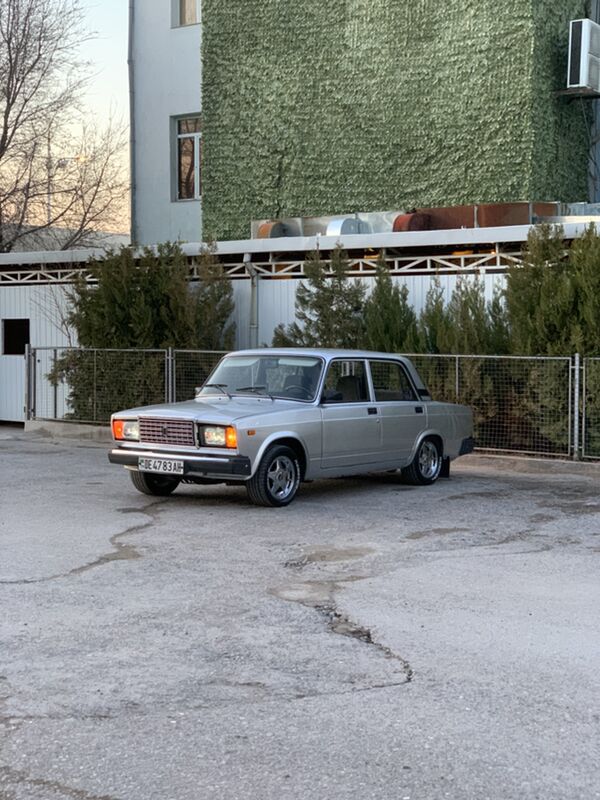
{"x":391,"y":382}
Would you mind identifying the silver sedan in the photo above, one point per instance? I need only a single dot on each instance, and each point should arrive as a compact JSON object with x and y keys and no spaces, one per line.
{"x":272,"y":418}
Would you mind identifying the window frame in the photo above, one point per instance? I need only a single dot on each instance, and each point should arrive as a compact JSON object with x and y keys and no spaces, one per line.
{"x":196,"y":136}
{"x":416,"y":396}
{"x":367,"y":379}
{"x":176,"y":14}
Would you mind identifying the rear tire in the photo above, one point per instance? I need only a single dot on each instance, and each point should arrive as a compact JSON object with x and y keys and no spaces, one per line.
{"x":148,"y":483}
{"x":277,"y":478}
{"x":426,"y":465}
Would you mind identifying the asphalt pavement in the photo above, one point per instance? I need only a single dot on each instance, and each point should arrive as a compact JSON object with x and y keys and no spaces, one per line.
{"x":372,"y":641}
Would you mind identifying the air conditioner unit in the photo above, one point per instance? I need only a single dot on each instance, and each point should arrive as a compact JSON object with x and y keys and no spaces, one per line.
{"x":584,"y":55}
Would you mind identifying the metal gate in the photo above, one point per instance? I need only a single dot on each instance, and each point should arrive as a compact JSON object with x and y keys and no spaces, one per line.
{"x":590,"y":417}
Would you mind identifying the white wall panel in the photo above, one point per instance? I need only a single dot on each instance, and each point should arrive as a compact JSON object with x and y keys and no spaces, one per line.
{"x":276,"y":303}
{"x":44,"y":307}
{"x":241,"y":315}
{"x":277,"y":298}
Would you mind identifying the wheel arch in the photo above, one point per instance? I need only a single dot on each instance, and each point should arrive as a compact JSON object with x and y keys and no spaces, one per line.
{"x":287,"y":440}
{"x":430,"y":434}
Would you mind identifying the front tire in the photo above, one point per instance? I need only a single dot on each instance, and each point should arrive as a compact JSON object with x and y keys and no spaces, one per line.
{"x":277,"y":478}
{"x":426,"y":466}
{"x":148,"y":483}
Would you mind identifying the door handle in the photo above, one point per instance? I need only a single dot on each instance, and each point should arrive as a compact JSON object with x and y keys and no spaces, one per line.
{"x":418,"y":409}
{"x":371,"y":410}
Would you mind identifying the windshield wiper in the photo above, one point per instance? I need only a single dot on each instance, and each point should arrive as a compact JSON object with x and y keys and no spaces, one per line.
{"x":255,"y":390}
{"x":221,"y":386}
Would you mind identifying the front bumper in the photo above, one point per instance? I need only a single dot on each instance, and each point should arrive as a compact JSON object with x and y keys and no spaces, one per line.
{"x":193,"y":466}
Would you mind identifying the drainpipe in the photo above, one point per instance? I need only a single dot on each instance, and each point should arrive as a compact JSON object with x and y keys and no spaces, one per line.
{"x":132,"y":158}
{"x":253,"y":328}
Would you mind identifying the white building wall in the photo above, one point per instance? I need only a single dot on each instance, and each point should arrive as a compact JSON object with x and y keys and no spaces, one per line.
{"x":44,"y":307}
{"x":166,"y":83}
{"x":277,"y":298}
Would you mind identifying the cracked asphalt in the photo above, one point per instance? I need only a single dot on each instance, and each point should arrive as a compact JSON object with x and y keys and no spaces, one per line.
{"x":371,"y":641}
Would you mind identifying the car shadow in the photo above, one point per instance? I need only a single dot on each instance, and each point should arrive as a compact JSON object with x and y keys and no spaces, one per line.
{"x":221,"y":494}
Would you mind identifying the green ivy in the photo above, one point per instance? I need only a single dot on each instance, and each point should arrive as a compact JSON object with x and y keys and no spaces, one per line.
{"x":358,"y":105}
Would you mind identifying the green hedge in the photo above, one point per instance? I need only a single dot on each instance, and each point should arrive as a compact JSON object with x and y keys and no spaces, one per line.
{"x":313,"y":107}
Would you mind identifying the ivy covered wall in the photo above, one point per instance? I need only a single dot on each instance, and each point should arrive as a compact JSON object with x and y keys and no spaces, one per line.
{"x":323,"y":107}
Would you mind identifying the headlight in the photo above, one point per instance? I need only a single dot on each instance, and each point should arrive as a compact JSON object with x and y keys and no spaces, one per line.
{"x":126,"y":429}
{"x":218,"y":436}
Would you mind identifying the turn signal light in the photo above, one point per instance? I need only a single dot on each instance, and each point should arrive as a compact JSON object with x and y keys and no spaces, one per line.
{"x":128,"y":429}
{"x":117,"y":428}
{"x":231,"y":437}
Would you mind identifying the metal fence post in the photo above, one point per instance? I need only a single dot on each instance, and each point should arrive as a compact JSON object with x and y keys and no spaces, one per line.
{"x":55,"y":384}
{"x":29,"y":393}
{"x":576,"y":409}
{"x":457,"y":379}
{"x":95,"y":399}
{"x":169,"y":376}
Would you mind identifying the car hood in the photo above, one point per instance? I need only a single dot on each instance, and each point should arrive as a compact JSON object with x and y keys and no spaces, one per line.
{"x":217,"y":410}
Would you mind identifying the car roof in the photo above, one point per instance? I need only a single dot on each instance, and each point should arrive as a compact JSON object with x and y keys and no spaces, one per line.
{"x":323,"y":352}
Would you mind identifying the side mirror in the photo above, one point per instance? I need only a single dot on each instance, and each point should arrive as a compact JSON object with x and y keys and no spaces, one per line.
{"x":331,"y":396}
{"x":197,"y":391}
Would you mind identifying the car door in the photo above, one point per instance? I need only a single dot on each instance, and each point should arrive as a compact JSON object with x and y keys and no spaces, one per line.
{"x":403,"y":416}
{"x":350,"y":422}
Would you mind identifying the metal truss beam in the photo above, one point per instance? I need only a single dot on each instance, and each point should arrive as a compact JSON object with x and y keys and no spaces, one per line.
{"x":495,"y":261}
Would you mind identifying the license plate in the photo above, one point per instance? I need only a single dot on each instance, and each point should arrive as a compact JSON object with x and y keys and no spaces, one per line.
{"x":165,"y":466}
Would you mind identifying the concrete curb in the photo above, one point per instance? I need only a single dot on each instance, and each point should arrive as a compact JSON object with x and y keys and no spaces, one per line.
{"x":528,"y":464}
{"x":69,"y":430}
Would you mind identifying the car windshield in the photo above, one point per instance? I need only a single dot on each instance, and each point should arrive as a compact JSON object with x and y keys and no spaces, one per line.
{"x":285,"y":377}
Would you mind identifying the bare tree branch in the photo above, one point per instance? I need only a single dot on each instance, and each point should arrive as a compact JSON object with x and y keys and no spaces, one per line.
{"x":50,"y":175}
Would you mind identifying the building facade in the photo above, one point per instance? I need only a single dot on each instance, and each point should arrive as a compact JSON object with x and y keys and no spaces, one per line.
{"x":166,"y":120}
{"x":358,"y":105}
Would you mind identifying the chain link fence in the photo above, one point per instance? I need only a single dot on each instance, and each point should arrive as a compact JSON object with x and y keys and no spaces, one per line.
{"x":520,"y":405}
{"x":87,"y":385}
{"x":190,"y":368}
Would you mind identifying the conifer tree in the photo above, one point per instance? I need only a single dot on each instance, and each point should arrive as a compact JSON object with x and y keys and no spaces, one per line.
{"x":585,"y":265}
{"x":540,"y":297}
{"x":498,"y":324}
{"x":329,"y":307}
{"x":145,"y":303}
{"x":473,"y":325}
{"x":214,"y":306}
{"x":434,"y":324}
{"x":390,"y":321}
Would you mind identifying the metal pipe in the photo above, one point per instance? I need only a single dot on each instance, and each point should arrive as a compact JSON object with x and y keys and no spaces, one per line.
{"x":576,"y":390}
{"x":28,"y":384}
{"x":253,"y":327}
{"x":132,"y":158}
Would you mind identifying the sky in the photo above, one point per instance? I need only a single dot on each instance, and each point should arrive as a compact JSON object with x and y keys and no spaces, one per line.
{"x":109,"y":88}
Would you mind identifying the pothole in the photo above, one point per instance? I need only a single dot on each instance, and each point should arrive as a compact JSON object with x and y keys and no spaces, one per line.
{"x":325,"y":554}
{"x":435,"y":532}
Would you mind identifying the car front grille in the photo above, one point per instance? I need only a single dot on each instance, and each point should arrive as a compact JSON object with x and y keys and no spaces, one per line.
{"x":167,"y":431}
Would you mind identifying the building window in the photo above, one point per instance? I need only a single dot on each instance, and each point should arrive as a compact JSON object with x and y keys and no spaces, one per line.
{"x":185,"y":12}
{"x":188,"y":152}
{"x":15,"y":335}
